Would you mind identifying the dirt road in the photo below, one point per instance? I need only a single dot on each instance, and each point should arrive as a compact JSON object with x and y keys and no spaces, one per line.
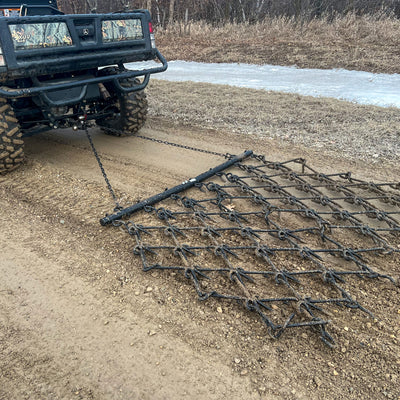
{"x":80,"y":320}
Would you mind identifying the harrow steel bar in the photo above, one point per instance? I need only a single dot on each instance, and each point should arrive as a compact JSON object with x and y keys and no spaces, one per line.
{"x":177,"y":189}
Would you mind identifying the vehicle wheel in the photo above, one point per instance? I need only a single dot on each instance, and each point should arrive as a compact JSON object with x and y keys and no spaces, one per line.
{"x":130,"y":110}
{"x":11,"y":143}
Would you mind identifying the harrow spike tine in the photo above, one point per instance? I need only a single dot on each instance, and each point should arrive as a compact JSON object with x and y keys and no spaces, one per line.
{"x":284,"y":277}
{"x":280,"y":329}
{"x":263,"y":305}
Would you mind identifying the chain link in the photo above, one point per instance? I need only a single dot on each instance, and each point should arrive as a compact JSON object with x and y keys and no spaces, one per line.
{"x":166,"y":142}
{"x":111,"y":190}
{"x":182,"y":146}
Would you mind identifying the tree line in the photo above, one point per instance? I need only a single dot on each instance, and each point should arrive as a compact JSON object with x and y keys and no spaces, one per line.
{"x":165,"y":12}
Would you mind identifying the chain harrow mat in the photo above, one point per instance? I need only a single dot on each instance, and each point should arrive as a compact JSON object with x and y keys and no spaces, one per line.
{"x":280,"y":239}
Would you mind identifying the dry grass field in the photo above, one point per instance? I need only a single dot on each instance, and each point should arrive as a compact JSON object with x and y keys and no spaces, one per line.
{"x":366,"y":43}
{"x":350,"y":130}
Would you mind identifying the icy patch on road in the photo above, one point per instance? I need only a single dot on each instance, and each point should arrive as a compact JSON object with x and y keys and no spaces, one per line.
{"x":356,"y":86}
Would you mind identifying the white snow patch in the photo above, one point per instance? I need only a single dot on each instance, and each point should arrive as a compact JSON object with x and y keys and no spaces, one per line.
{"x":356,"y":86}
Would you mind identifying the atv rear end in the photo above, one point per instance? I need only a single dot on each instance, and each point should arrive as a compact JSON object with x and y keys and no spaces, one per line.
{"x":56,"y":62}
{"x":58,"y":70}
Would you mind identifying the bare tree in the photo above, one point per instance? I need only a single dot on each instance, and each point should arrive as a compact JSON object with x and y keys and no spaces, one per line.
{"x":222,"y":11}
{"x":171,"y":11}
{"x":91,"y":5}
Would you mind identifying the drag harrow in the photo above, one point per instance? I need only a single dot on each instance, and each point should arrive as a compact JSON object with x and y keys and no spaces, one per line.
{"x":278,"y":238}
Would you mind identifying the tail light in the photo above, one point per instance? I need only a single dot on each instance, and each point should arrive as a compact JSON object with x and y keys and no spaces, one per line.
{"x":2,"y":61}
{"x":152,"y":37}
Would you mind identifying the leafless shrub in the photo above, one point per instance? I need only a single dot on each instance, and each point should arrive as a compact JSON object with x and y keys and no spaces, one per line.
{"x":240,"y":11}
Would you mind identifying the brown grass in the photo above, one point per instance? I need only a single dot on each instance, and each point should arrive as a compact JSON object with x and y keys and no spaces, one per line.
{"x":351,"y":130}
{"x":369,"y":43}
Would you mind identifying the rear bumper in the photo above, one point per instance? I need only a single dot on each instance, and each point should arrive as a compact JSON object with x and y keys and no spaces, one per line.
{"x":37,"y":90}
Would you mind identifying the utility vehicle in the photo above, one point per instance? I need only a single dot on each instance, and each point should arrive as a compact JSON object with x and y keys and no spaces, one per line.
{"x":60,"y":71}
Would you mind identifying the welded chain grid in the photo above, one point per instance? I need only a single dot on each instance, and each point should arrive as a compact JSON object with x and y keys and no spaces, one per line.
{"x":280,"y":239}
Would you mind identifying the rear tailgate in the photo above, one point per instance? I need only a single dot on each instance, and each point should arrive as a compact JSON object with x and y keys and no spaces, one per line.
{"x":40,"y":45}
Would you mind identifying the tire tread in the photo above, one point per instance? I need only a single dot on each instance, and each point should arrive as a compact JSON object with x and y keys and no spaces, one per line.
{"x":133,"y":113}
{"x":11,"y":144}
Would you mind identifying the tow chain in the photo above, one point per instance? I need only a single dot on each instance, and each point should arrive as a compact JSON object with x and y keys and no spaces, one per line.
{"x":182,"y":146}
{"x":111,"y":190}
{"x":166,"y":142}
